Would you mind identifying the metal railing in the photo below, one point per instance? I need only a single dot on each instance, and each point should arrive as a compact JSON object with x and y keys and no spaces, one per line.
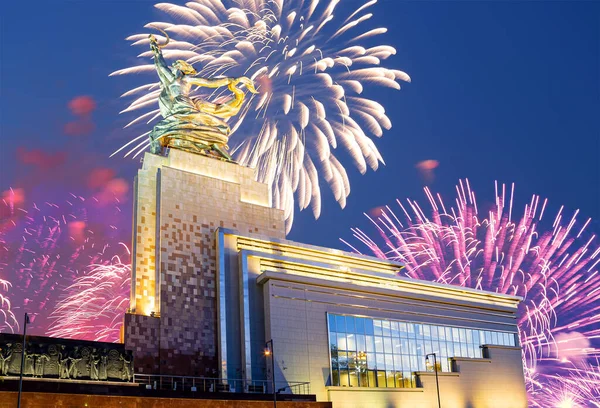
{"x":208,"y":384}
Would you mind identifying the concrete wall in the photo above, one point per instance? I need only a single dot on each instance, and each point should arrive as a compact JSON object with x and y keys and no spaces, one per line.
{"x":296,"y":321}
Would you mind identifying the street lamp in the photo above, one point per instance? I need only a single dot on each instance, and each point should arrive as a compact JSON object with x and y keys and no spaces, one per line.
{"x":269,"y":352}
{"x":22,"y":360}
{"x":437,"y":383}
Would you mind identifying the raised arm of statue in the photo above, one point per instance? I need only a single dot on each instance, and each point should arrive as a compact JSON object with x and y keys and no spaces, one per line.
{"x":163,"y":70}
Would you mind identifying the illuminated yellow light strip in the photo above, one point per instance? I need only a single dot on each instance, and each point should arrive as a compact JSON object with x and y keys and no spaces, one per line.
{"x":334,"y":257}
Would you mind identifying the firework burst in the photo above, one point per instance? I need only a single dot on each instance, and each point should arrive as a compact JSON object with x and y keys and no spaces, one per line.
{"x":554,"y":269}
{"x":94,"y":304}
{"x":45,"y":248}
{"x":311,"y":69}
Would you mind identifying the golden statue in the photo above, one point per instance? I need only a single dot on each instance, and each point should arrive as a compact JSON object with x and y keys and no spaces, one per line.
{"x":189,"y":123}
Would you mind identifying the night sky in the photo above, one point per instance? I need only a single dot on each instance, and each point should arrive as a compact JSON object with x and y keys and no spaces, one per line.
{"x":506,"y":91}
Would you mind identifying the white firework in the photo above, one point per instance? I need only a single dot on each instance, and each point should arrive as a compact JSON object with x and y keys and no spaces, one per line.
{"x":310,"y":69}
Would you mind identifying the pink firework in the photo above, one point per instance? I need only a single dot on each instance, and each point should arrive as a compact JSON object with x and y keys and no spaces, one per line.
{"x":578,"y":387}
{"x":553,"y":268}
{"x":46,"y":247}
{"x":95,"y":303}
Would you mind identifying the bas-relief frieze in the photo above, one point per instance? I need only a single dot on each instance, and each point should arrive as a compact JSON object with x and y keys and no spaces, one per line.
{"x":65,"y":359}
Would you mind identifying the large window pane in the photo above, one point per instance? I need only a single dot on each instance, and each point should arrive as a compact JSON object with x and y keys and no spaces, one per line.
{"x":412,"y":344}
{"x":469,"y":336}
{"x":463,"y":335}
{"x":436,"y":348}
{"x":386,"y":327}
{"x":379,"y":344}
{"x":377,"y":327}
{"x":353,"y":378}
{"x":414,"y":363}
{"x":442,"y":333}
{"x":387,"y":345}
{"x":395,"y":329}
{"x":342,"y":344}
{"x":344,"y":378}
{"x":371,"y":362}
{"x":360,"y":343}
{"x":335,"y":377}
{"x":426,"y":332}
{"x":370,"y":344}
{"x":331,"y":320}
{"x":399,"y":379}
{"x":407,"y":379}
{"x":445,"y":366}
{"x":403,"y":329}
{"x":350,"y":324}
{"x":396,"y":346}
{"x":381,"y":379}
{"x":406,"y":363}
{"x":372,"y":378}
{"x":380,"y":361}
{"x":352,"y":366}
{"x":420,"y":348}
{"x":340,"y":323}
{"x":397,"y":362}
{"x":362,"y":378}
{"x":360,"y":325}
{"x":369,"y":326}
{"x":391,"y":381}
{"x":343,"y":360}
{"x":455,"y":335}
{"x":405,"y":348}
{"x":389,"y":362}
{"x":351,"y":342}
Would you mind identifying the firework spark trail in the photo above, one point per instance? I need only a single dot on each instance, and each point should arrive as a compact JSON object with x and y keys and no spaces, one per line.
{"x":311,"y":69}
{"x":95,"y":303}
{"x":44,"y":248}
{"x":8,"y":320}
{"x":555,"y":271}
{"x":579,"y":387}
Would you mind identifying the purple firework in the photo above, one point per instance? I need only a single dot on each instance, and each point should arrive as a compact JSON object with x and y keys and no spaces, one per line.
{"x":554,"y":269}
{"x":48,"y":247}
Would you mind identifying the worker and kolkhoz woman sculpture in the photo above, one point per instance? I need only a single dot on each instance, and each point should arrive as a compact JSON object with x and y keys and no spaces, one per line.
{"x":190,"y":123}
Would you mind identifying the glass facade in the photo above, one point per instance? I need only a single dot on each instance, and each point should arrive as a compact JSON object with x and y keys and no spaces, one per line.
{"x":369,"y":352}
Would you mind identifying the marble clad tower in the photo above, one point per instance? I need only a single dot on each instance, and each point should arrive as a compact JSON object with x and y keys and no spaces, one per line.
{"x":180,"y":201}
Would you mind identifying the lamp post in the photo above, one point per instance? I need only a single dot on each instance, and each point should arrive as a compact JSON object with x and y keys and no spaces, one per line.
{"x":437,"y":383}
{"x":269,"y":352}
{"x":22,"y":361}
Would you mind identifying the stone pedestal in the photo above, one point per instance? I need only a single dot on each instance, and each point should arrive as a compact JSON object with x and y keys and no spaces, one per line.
{"x":180,"y":201}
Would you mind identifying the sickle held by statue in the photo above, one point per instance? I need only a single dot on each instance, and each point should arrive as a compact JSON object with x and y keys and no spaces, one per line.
{"x":164,"y":33}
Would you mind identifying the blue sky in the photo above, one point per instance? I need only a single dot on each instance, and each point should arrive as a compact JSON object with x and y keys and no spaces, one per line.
{"x":506,"y":91}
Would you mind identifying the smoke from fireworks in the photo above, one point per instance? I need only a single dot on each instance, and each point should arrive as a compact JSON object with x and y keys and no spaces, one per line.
{"x":555,"y":270}
{"x":310,"y":68}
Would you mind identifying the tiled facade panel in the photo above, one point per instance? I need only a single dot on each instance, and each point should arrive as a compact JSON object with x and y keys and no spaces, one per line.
{"x":190,"y":207}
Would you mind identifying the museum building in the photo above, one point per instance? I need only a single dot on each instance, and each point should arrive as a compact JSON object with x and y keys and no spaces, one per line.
{"x":214,"y":281}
